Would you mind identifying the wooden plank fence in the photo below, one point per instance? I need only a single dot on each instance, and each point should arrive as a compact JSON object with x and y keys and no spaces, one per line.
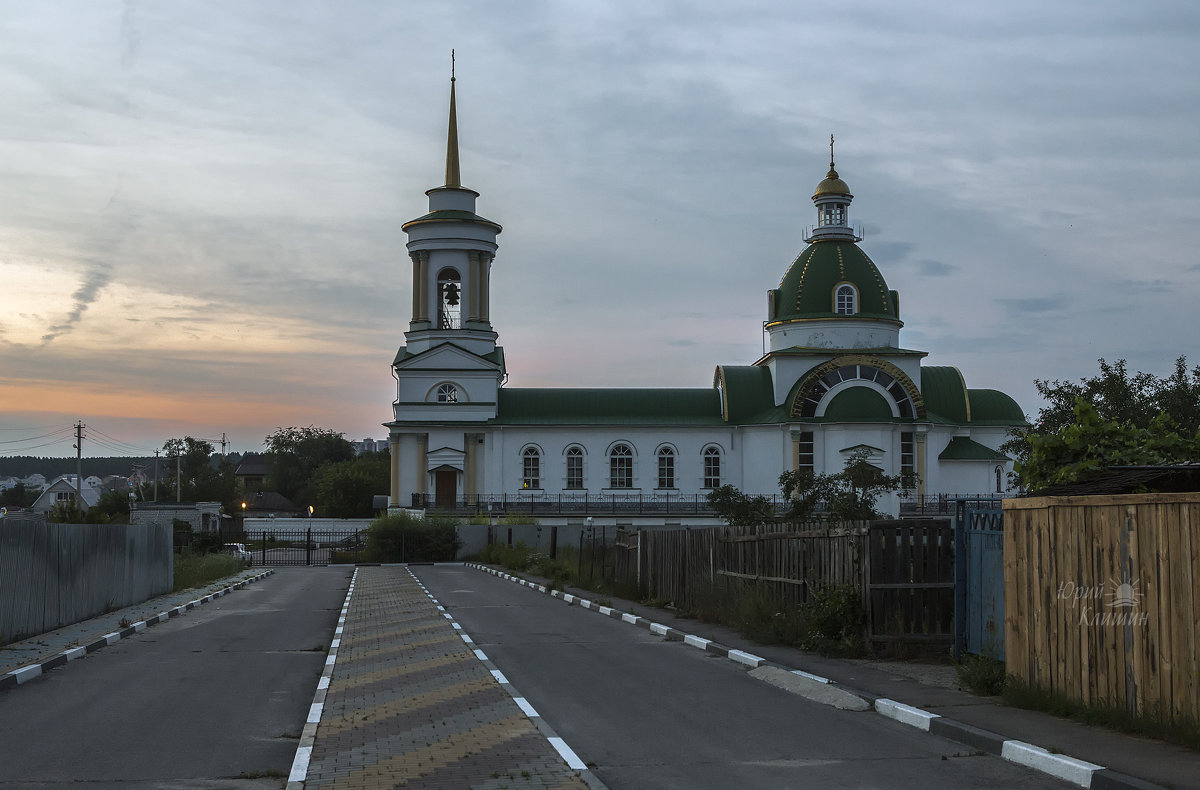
{"x":1102,"y":599}
{"x":904,"y":569}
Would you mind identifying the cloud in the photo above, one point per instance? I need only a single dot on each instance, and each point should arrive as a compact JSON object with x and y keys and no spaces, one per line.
{"x":931,"y":268}
{"x":96,"y":278}
{"x":1033,"y":304}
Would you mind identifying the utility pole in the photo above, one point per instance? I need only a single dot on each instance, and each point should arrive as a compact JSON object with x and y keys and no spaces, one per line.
{"x":79,"y":465}
{"x":179,"y":478}
{"x":156,"y":476}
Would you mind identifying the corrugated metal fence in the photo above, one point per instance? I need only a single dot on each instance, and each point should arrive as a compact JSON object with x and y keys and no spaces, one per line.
{"x":53,"y":575}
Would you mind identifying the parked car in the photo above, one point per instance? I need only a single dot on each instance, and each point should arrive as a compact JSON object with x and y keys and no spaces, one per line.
{"x":239,"y":550}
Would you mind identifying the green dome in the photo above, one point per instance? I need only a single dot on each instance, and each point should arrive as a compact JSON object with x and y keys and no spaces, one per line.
{"x":808,"y":288}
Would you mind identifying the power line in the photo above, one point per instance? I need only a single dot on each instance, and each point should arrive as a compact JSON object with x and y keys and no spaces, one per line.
{"x":60,"y":432}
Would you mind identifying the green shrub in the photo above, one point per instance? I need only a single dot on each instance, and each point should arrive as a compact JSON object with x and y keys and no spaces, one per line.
{"x":981,"y":675}
{"x":399,"y":537}
{"x":833,"y":616}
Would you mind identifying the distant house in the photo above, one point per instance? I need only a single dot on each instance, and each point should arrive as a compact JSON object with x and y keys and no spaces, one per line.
{"x":251,"y":473}
{"x":34,"y":482}
{"x":269,"y":504}
{"x":62,"y":491}
{"x":7,"y":483}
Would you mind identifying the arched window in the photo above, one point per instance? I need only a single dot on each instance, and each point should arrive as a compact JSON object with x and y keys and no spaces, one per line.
{"x":999,"y":480}
{"x":449,"y":299}
{"x":531,"y":476}
{"x":620,"y":467}
{"x":847,"y":300}
{"x":666,"y":467}
{"x":712,"y":467}
{"x":574,"y":468}
{"x":447,"y":393}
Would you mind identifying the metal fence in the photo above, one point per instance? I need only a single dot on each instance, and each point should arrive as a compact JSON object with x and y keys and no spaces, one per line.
{"x":53,"y":575}
{"x":578,"y":504}
{"x":299,"y":546}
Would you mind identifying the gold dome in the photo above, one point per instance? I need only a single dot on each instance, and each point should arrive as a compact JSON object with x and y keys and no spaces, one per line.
{"x":832,"y":185}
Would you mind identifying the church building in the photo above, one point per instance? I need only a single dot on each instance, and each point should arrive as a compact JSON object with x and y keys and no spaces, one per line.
{"x":834,"y":382}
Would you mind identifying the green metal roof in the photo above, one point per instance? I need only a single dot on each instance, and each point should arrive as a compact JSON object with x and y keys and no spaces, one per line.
{"x":555,"y":406}
{"x":858,"y":404}
{"x":748,"y":391}
{"x":945,"y":395}
{"x":807,"y":289}
{"x":962,"y":448}
{"x":994,"y":407}
{"x":451,"y":215}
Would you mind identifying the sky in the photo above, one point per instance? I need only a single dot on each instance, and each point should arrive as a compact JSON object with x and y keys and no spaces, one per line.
{"x":200,"y":202}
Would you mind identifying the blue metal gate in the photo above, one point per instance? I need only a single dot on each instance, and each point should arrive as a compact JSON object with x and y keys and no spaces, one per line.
{"x":979,"y":579}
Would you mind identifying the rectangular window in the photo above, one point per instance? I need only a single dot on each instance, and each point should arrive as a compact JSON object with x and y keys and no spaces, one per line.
{"x":906,"y":453}
{"x":574,"y":470}
{"x":805,"y":452}
{"x":666,"y":470}
{"x":712,"y":470}
{"x":532,"y":476}
{"x":621,"y":471}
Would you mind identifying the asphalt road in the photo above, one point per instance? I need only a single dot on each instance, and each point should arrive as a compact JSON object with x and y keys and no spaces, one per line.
{"x":646,"y":713}
{"x":214,"y":698}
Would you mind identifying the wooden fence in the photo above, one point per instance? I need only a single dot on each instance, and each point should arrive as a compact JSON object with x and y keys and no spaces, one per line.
{"x":903,"y":568}
{"x":1102,"y":599}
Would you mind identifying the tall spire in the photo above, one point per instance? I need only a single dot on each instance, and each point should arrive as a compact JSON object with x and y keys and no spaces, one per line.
{"x":453,"y":179}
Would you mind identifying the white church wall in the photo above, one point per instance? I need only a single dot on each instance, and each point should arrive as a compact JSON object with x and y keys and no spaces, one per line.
{"x":840,"y":334}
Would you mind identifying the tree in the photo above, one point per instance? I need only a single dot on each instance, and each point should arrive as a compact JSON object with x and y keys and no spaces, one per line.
{"x":1118,"y":407}
{"x":346,"y":489}
{"x":850,"y":494}
{"x":18,"y":496}
{"x":203,"y":475}
{"x":295,"y":454}
{"x":1090,"y":444}
{"x":739,"y":509}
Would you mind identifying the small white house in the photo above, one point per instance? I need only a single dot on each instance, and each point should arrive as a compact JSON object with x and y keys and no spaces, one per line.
{"x":63,"y":491}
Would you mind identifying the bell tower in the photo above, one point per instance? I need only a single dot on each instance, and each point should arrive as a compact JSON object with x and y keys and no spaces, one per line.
{"x":451,"y":248}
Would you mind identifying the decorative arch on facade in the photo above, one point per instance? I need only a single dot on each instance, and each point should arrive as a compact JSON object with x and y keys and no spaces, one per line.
{"x":446,"y":392}
{"x":620,"y":464}
{"x":821,"y":379}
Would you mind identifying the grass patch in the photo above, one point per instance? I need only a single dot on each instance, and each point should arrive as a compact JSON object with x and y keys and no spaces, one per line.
{"x":1155,"y":723}
{"x":981,"y":675}
{"x":197,"y":570}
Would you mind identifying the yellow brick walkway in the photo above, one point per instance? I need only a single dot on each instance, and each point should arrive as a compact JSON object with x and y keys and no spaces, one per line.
{"x":409,"y":704}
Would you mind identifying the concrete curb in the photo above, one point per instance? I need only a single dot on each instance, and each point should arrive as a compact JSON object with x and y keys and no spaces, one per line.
{"x":298,"y":775}
{"x":26,"y":673}
{"x":1078,"y":772}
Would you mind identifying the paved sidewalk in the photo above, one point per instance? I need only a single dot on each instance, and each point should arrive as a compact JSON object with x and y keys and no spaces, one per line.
{"x":46,"y":647}
{"x":411,"y":704}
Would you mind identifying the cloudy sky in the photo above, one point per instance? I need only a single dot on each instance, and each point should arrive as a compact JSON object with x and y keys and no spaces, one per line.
{"x":200,"y":202}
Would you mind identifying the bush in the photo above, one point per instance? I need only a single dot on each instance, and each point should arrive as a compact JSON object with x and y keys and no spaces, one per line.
{"x":834,"y":618}
{"x":399,"y":537}
{"x":981,"y":675}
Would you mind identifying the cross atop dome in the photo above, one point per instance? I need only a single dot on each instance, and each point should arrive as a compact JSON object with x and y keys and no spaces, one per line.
{"x":832,"y":198}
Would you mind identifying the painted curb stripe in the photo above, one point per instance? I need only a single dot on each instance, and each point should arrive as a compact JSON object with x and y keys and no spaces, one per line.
{"x":905,"y":714}
{"x":568,"y":754}
{"x":24,"y":674}
{"x":1059,"y":765}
